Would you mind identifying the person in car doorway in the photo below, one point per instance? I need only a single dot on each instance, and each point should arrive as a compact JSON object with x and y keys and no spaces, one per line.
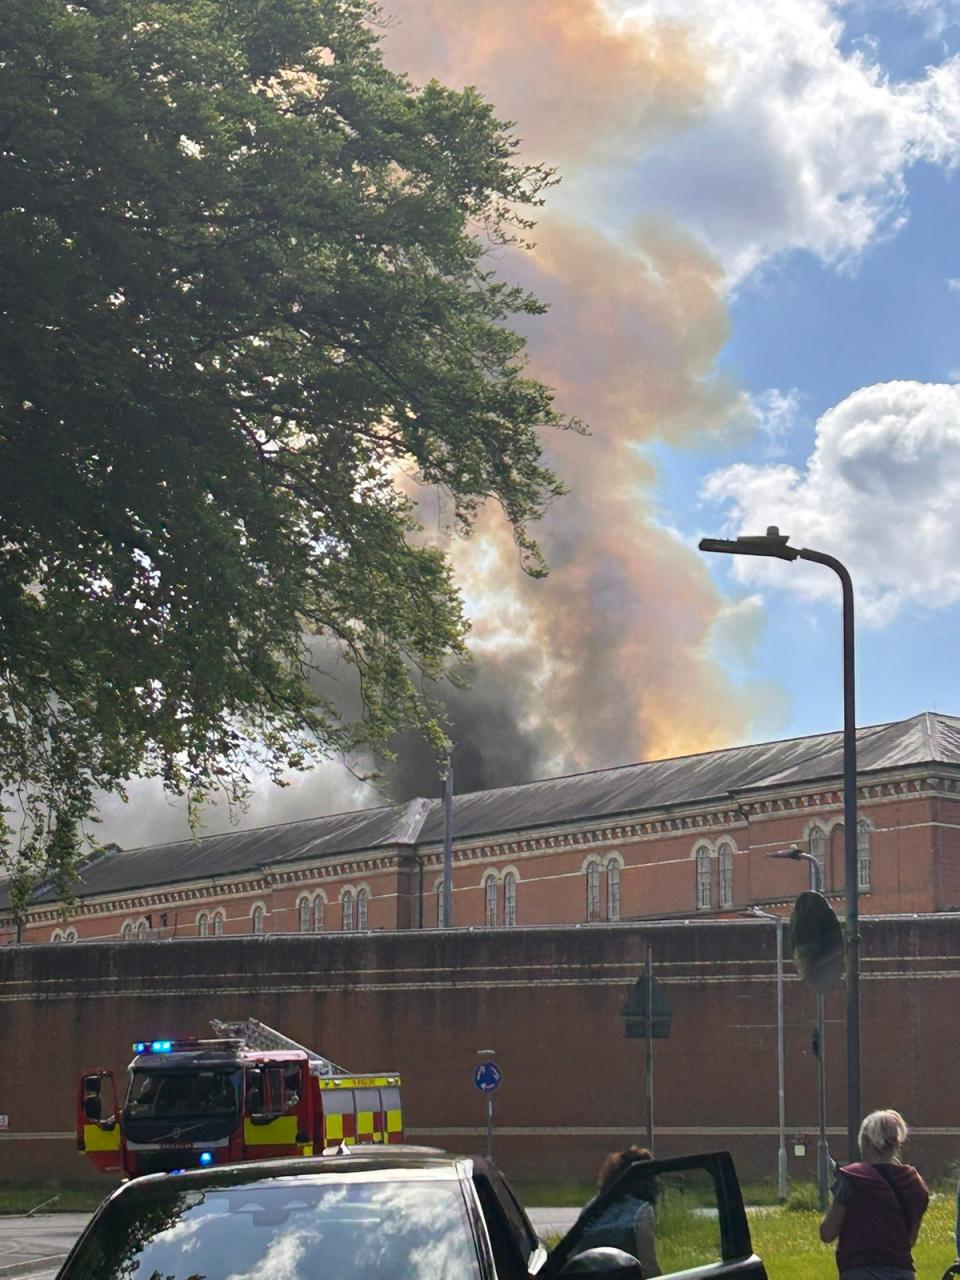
{"x":878,"y":1205}
{"x":630,"y":1222}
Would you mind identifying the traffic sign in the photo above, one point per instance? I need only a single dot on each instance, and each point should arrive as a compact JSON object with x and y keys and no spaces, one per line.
{"x":635,"y":1012}
{"x":487,"y":1077}
{"x":817,"y":942}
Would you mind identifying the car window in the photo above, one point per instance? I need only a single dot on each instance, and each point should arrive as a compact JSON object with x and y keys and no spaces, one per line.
{"x":496,"y":1192}
{"x":362,"y":1230}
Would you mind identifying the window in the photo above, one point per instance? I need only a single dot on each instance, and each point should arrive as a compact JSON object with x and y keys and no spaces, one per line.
{"x":863,"y":857}
{"x":593,"y":891}
{"x":203,"y":925}
{"x":510,"y":898}
{"x":303,"y":907}
{"x":490,"y":902}
{"x":70,"y":935}
{"x":318,"y":905}
{"x":141,"y":930}
{"x":725,"y":858}
{"x":704,"y":896}
{"x":346,"y":899}
{"x":57,"y":935}
{"x":126,"y":933}
{"x":218,"y":919}
{"x":817,"y":846}
{"x":256,"y":919}
{"x":363,"y":897}
{"x":613,"y":889}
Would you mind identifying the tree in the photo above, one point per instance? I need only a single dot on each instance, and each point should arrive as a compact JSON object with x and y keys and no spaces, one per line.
{"x":243,"y":292}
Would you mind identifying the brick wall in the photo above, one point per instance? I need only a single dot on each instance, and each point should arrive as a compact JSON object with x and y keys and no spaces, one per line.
{"x":548,"y":1000}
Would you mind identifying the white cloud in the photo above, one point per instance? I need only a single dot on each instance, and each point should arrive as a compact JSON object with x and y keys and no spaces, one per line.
{"x":776,"y":414}
{"x":804,"y":146}
{"x":878,"y":491}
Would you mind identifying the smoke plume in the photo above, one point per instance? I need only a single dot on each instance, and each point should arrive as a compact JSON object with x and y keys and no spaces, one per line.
{"x":607,"y":660}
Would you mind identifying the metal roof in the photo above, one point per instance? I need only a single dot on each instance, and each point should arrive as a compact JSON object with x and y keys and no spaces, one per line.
{"x":658,"y":784}
{"x":235,"y":852}
{"x":928,"y":738}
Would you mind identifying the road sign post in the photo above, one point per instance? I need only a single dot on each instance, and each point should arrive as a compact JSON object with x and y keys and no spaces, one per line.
{"x":487,"y":1079}
{"x":646,"y":1015}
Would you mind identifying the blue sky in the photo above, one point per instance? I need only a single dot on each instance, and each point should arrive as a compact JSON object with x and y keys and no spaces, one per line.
{"x":826,"y":332}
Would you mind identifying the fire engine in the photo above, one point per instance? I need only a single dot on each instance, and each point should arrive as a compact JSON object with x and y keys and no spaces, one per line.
{"x":249,"y":1094}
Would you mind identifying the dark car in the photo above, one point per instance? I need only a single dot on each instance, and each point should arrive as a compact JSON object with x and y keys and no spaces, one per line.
{"x":400,"y":1213}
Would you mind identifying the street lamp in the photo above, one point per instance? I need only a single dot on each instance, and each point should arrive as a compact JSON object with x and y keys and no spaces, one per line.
{"x":823,"y":1154}
{"x":774,"y":544}
{"x":779,"y":921}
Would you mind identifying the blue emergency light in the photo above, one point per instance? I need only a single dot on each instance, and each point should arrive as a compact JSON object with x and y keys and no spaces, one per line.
{"x":206,"y":1157}
{"x":153,"y":1046}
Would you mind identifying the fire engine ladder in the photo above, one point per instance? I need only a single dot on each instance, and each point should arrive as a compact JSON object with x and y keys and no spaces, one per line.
{"x":257,"y":1035}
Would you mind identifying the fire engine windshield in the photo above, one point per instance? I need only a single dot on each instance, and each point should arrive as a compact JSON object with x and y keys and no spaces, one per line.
{"x":157,"y":1095}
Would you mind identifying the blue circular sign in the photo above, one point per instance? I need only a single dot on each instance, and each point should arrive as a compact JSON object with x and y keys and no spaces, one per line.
{"x":487,"y":1077}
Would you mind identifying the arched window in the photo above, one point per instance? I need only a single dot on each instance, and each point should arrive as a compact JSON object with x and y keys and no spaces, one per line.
{"x":613,"y":889}
{"x":256,"y":919}
{"x":704,"y":895}
{"x":725,"y":861}
{"x":510,"y":898}
{"x":57,"y":935}
{"x":126,"y":933}
{"x":203,"y":925}
{"x":593,"y":891}
{"x":346,"y":899}
{"x":304,"y":909}
{"x":490,"y":902}
{"x":318,"y":905}
{"x":70,"y":935}
{"x":141,"y":930}
{"x":817,"y":846}
{"x":218,"y":919}
{"x":863,"y":857}
{"x":363,"y":898}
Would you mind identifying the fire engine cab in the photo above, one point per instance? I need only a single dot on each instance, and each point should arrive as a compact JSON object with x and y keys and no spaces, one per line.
{"x":250,"y":1094}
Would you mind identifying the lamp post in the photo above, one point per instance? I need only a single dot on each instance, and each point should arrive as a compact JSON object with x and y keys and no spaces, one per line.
{"x":823,"y":1154}
{"x":779,"y":921}
{"x":774,"y":544}
{"x":446,"y":897}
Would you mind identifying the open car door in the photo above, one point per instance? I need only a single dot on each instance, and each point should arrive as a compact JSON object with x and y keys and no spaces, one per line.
{"x":98,"y":1120}
{"x":681,"y":1215}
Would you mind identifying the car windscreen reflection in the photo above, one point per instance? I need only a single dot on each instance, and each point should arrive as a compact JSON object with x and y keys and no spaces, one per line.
{"x":344,"y":1231}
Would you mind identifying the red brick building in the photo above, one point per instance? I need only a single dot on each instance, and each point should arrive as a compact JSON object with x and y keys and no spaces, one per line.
{"x":667,"y":838}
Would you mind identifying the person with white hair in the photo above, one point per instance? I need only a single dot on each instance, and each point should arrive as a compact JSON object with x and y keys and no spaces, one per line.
{"x":878,"y":1205}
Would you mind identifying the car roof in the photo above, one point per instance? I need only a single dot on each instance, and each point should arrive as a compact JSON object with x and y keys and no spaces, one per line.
{"x":396,"y":1162}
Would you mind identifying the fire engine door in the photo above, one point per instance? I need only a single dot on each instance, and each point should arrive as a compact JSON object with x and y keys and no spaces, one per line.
{"x":98,"y":1120}
{"x":275,"y":1120}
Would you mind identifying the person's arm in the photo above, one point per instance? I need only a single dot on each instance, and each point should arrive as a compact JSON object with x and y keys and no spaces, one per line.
{"x":646,"y":1241}
{"x":832,"y":1222}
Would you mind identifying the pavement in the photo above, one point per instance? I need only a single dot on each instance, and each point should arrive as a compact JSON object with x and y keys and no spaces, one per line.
{"x":35,"y":1246}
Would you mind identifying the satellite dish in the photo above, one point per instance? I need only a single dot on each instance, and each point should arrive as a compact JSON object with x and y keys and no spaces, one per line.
{"x":817,"y":942}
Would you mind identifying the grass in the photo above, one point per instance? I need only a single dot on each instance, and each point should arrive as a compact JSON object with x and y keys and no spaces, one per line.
{"x":81,"y":1197}
{"x":786,"y":1237}
{"x":552,"y":1195}
{"x":790,"y":1247}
